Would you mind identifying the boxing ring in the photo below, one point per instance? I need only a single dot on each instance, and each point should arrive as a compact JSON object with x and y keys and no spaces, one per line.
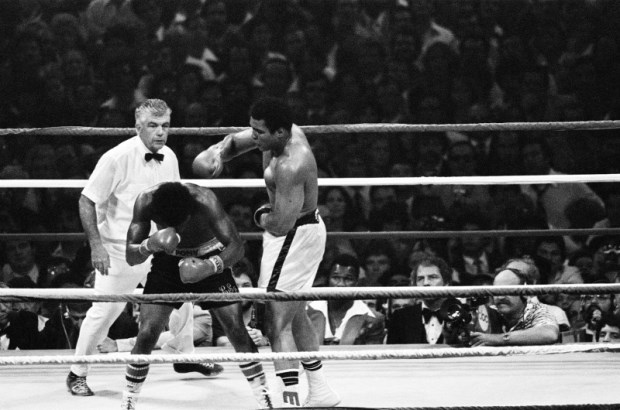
{"x":501,"y":382}
{"x":566,"y":376}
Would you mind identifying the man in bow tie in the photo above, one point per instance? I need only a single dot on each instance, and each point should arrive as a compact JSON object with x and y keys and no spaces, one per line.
{"x":421,"y":323}
{"x":106,"y":209}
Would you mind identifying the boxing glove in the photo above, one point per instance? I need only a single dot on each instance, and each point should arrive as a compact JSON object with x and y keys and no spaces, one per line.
{"x":192,"y":270}
{"x":208,"y":164}
{"x":265,"y":209}
{"x":165,"y":240}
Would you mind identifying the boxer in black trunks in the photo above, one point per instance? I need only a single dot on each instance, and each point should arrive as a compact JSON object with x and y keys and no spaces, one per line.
{"x":193,"y":250}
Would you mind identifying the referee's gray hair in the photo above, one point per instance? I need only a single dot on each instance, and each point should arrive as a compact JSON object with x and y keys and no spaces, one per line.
{"x":155,"y":106}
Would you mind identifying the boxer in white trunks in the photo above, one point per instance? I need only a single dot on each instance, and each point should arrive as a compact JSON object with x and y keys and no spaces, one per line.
{"x":293,"y":240}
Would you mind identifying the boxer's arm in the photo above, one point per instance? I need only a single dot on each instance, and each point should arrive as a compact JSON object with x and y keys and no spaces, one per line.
{"x":236,"y":144}
{"x":88,"y":216}
{"x":210,"y":162}
{"x":138,"y":231}
{"x":223,"y":228}
{"x":288,"y":201}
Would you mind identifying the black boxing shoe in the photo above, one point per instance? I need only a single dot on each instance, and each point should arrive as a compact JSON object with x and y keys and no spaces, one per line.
{"x":208,"y":369}
{"x":77,"y":385}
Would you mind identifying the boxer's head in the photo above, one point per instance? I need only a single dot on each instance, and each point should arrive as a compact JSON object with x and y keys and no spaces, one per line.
{"x":172,"y":204}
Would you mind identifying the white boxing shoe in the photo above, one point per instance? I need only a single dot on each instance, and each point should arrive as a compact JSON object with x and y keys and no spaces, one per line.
{"x":322,"y":396}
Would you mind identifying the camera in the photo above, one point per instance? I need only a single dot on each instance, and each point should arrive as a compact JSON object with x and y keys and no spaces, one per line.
{"x":594,"y":317}
{"x":457,"y":316}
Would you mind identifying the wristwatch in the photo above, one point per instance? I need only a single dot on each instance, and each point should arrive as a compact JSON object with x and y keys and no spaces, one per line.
{"x":506,"y":338}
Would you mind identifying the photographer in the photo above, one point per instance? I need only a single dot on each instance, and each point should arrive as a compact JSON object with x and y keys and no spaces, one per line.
{"x":606,"y":261}
{"x":595,"y":311}
{"x":425,"y":322}
{"x":525,"y":322}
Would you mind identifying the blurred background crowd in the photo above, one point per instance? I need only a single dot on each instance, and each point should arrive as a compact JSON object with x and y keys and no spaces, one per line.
{"x":91,"y":62}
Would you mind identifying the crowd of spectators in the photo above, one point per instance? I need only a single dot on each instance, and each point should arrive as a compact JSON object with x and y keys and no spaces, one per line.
{"x":90,"y":62}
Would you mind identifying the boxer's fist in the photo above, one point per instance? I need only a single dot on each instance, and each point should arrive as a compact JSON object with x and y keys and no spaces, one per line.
{"x":265,"y":209}
{"x":194,"y":270}
{"x":165,"y":240}
{"x":208,"y":164}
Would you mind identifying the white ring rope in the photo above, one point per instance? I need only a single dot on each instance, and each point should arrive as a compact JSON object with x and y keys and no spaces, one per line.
{"x":20,"y":295}
{"x":260,"y":183}
{"x":377,"y":354}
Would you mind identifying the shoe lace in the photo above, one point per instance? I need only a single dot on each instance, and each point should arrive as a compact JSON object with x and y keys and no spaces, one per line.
{"x":266,"y":397}
{"x":80,"y":384}
{"x":129,"y":403}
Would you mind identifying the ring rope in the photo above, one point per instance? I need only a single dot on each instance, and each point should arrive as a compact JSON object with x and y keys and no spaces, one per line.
{"x":24,"y":295}
{"x":332,"y":129}
{"x":68,"y":236}
{"x":387,"y":354}
{"x":396,"y":181}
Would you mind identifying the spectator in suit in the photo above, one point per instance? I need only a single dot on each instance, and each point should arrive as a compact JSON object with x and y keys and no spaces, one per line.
{"x":473,"y":256}
{"x":550,"y":254}
{"x":21,"y":262}
{"x":420,"y":323}
{"x":346,"y":322}
{"x":62,"y":329}
{"x":18,"y":328}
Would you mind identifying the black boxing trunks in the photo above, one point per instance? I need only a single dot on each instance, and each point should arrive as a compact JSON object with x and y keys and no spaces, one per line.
{"x":164,"y":276}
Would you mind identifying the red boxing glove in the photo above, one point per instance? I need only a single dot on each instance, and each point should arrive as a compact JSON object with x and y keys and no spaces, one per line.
{"x":208,"y":164}
{"x":192,"y":270}
{"x":165,"y":240}
{"x":265,"y":209}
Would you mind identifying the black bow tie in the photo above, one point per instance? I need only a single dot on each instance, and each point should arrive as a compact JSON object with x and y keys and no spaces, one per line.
{"x":428,"y":314}
{"x":153,"y":155}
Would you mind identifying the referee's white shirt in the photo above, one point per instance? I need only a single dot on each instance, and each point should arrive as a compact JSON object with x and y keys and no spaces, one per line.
{"x":119,"y":176}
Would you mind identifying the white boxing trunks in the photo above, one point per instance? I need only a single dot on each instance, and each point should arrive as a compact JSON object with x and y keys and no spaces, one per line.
{"x":291,"y":262}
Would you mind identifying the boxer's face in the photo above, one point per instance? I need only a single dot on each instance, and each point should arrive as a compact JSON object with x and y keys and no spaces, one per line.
{"x":266,"y":139}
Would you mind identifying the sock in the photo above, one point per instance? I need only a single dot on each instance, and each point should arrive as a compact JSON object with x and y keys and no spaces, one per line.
{"x":254,"y":373}
{"x":314,"y":370}
{"x":135,"y":375}
{"x":313,"y":365}
{"x":74,"y":376}
{"x":290,"y":377}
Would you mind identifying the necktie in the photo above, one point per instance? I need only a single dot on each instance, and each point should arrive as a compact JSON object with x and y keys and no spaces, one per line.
{"x":477,"y":266}
{"x":540,"y":191}
{"x":153,"y":155}
{"x":428,"y":314}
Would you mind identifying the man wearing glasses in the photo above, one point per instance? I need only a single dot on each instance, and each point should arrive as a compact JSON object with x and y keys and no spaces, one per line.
{"x":595,"y":310}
